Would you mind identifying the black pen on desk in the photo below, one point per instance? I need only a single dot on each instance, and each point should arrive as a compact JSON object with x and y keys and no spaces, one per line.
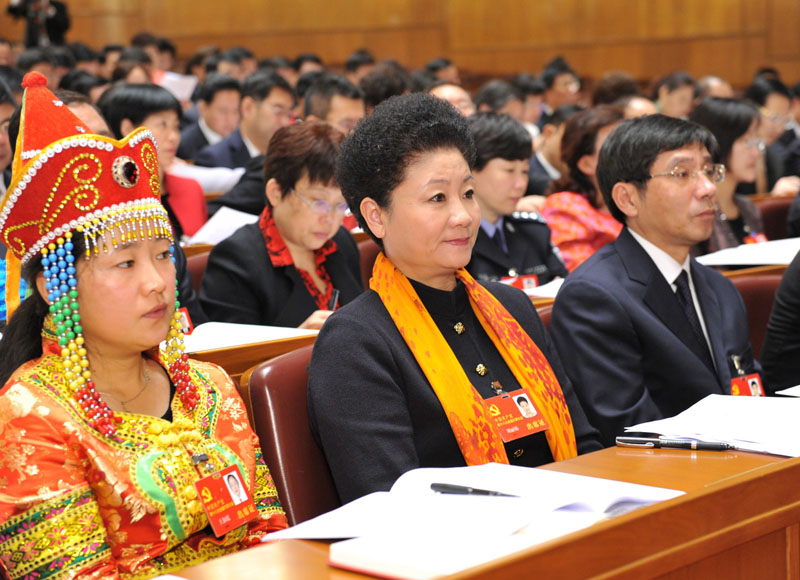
{"x":453,"y":489}
{"x":334,"y":299}
{"x":654,"y":443}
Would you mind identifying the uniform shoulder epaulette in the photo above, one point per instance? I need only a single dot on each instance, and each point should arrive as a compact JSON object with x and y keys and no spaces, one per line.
{"x":527,"y":216}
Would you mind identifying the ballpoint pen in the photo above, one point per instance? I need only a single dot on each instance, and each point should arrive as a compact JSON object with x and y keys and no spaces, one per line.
{"x":654,"y":443}
{"x":451,"y":488}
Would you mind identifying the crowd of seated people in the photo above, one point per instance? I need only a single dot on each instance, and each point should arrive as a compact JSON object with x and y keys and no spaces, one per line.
{"x":470,"y":193}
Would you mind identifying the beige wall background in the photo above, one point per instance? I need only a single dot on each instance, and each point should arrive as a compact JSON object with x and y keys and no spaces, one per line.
{"x":645,"y":37}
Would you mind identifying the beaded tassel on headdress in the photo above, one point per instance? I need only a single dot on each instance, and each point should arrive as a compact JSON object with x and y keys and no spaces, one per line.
{"x":65,"y":180}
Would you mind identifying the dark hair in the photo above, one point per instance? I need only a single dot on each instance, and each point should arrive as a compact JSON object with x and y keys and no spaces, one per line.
{"x":110,"y":48}
{"x":727,"y":119}
{"x":135,"y":103}
{"x":436,"y":64}
{"x":135,"y":54}
{"x":308,"y":148}
{"x":767,"y":71}
{"x":422,"y":81}
{"x":274,"y":63}
{"x":496,"y":94}
{"x":144,"y":38}
{"x":306,"y":57}
{"x":215,"y":83}
{"x":520,"y":400}
{"x":498,"y":136}
{"x":374,"y":158}
{"x":82,"y":53}
{"x":613,"y":86}
{"x":562,"y":114}
{"x":628,"y":154}
{"x":28,"y":58}
{"x":69,"y":97}
{"x":6,"y":94}
{"x":319,"y":95}
{"x":763,"y":87}
{"x":259,"y":85}
{"x":80,"y":81}
{"x":124,"y":68}
{"x":61,"y":56}
{"x":306,"y":80}
{"x":359,"y":58}
{"x":166,"y":45}
{"x":387,"y":79}
{"x":580,"y":134}
{"x":528,"y":84}
{"x":22,"y":338}
{"x":555,"y":68}
{"x":672,"y":82}
{"x":13,"y":78}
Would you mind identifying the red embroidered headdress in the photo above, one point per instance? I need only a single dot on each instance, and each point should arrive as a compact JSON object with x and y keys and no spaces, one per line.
{"x":65,"y":180}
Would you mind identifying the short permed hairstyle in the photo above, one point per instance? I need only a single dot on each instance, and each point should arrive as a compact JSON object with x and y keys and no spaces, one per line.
{"x":727,"y":119}
{"x":308,"y":148}
{"x":498,"y":136}
{"x":374,"y":158}
{"x":627,"y":156}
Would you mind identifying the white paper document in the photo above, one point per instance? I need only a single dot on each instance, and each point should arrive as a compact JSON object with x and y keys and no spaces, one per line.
{"x":567,"y":501}
{"x":762,"y":424}
{"x":413,"y":532}
{"x":790,"y":392}
{"x":548,"y":290}
{"x":214,"y":335}
{"x":221,"y":225}
{"x":763,"y":254}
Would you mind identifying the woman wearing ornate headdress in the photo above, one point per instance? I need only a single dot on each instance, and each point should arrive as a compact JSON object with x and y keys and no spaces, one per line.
{"x":107,"y":439}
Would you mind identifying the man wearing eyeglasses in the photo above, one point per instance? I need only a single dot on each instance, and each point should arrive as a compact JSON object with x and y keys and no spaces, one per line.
{"x":266,"y":106}
{"x":645,"y":331}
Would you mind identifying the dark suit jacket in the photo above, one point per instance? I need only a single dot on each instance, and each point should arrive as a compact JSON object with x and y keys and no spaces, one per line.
{"x":56,"y":25}
{"x":241,"y":284}
{"x":230,"y":152}
{"x":248,"y":195}
{"x":623,"y":336}
{"x":780,"y":354}
{"x":538,"y":178}
{"x":529,"y":251}
{"x":374,"y":412}
{"x":192,"y":142}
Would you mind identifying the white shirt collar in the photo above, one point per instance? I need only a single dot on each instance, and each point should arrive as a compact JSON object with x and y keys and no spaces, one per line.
{"x":551,"y":171}
{"x":251,"y":149}
{"x":669,"y":267}
{"x":211,"y":136}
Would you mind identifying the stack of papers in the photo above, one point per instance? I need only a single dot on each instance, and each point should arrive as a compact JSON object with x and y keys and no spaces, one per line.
{"x":413,"y":532}
{"x":214,"y":335}
{"x":761,"y":424}
{"x":763,"y":254}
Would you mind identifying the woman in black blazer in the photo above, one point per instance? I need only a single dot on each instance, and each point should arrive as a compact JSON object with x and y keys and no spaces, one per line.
{"x":296,"y":264}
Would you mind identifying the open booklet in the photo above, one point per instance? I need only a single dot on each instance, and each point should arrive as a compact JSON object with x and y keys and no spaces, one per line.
{"x":214,"y":335}
{"x":760,"y":424}
{"x":414,"y":532}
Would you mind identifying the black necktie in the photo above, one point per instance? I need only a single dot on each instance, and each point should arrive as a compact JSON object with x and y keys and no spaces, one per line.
{"x":497,"y":237}
{"x":684,"y":295}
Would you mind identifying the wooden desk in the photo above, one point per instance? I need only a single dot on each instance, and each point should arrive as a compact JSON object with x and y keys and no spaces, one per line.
{"x":237,"y":359}
{"x":739,"y":519}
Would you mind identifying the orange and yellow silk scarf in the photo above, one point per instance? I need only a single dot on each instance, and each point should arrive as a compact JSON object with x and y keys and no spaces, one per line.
{"x":475,"y":432}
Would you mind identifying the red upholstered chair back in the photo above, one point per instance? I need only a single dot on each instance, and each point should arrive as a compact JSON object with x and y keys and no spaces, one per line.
{"x":197,"y":267}
{"x":774,"y":214}
{"x":758,"y":292}
{"x":368,"y":250}
{"x":544,"y":313}
{"x":278,"y":393}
